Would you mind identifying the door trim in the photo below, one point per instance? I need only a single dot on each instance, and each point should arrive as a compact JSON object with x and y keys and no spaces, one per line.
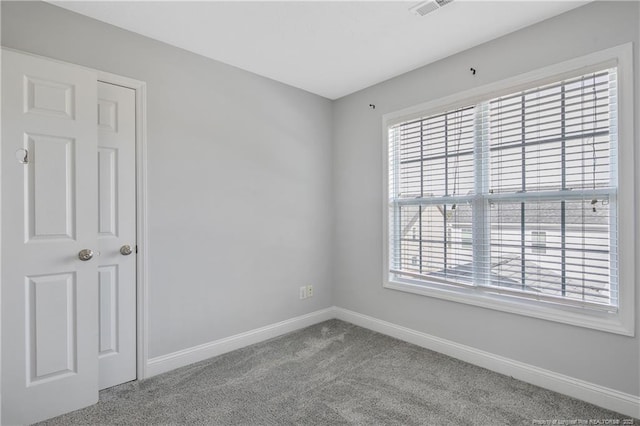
{"x":142,"y":273}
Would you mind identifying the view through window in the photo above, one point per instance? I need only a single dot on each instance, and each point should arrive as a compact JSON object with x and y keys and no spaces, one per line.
{"x":516,"y":193}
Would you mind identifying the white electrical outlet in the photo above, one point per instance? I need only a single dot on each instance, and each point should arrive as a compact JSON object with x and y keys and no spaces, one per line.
{"x":309,"y":291}
{"x":303,"y":292}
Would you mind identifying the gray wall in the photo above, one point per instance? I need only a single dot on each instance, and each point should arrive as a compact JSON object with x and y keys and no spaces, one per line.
{"x":239,"y":179}
{"x":606,"y":359}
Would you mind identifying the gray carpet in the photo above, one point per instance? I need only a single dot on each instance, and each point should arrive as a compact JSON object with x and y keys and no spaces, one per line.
{"x":333,"y":373}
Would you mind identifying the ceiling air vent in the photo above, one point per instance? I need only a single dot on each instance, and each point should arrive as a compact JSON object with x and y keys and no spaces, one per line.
{"x":425,"y":7}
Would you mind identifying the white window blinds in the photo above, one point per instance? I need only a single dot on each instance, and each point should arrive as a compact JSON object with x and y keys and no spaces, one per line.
{"x":529,"y":176}
{"x":432,"y":183}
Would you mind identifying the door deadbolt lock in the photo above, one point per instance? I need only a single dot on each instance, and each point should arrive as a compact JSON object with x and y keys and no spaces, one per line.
{"x":125,"y":250}
{"x":85,"y":254}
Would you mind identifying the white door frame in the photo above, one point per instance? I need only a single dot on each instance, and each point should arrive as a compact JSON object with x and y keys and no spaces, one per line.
{"x":142,"y":293}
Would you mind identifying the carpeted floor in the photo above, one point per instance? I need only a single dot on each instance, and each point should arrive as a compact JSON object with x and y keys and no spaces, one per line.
{"x":334,"y":373}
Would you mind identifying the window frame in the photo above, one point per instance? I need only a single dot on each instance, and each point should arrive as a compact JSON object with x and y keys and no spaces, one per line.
{"x":621,"y":321}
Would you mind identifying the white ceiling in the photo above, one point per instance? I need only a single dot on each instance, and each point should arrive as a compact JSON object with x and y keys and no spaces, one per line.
{"x":328,"y":48}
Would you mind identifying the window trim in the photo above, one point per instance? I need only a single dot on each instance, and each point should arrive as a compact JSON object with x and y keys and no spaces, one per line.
{"x":620,"y":322}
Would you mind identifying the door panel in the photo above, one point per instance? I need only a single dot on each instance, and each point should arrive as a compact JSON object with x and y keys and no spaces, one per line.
{"x":117,"y":227}
{"x":51,"y":308}
{"x":49,"y":296}
{"x":48,"y":97}
{"x":108,"y":309}
{"x":50,"y":189}
{"x":107,"y":173}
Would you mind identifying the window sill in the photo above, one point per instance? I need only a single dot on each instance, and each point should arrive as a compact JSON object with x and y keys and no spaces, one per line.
{"x":586,"y":318}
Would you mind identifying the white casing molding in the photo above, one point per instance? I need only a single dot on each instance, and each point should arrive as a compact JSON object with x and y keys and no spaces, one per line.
{"x":601,"y":396}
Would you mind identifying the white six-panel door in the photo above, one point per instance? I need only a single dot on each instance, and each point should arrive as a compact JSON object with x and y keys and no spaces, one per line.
{"x":116,"y":234}
{"x":49,"y":203}
{"x":68,"y":184}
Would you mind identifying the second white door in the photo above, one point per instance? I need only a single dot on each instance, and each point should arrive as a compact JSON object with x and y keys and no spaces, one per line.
{"x":116,"y":235}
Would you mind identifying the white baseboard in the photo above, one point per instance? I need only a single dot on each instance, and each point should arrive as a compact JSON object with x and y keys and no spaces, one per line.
{"x":601,"y":396}
{"x":188,"y":356}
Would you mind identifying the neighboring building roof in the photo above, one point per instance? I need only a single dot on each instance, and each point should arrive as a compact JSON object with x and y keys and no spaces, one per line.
{"x":545,"y":212}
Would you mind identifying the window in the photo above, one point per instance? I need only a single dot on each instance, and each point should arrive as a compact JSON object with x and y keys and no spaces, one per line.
{"x":466,"y":236}
{"x":512,"y":197}
{"x":539,"y":242}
